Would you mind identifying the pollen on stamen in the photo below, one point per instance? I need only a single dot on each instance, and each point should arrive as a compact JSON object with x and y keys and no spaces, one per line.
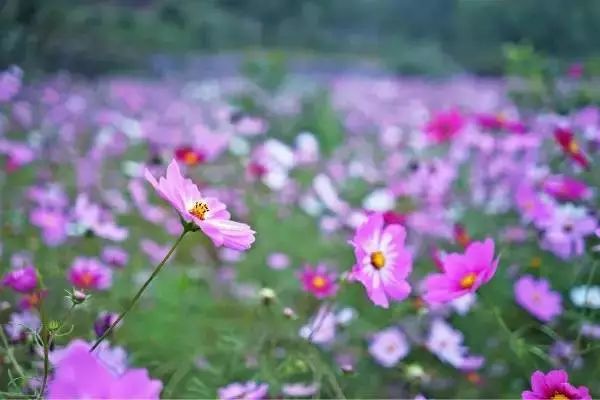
{"x":573,"y":147}
{"x":468,"y":281}
{"x":377,"y":260}
{"x":199,"y":209}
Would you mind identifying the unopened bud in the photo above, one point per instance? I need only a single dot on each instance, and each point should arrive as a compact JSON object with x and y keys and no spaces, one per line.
{"x":77,"y":297}
{"x":267,"y":295}
{"x":289,"y":313}
{"x":53,"y":325}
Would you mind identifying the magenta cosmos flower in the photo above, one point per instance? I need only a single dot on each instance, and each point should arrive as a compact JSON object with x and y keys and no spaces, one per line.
{"x":537,"y":298}
{"x":80,"y":374}
{"x":444,"y":126}
{"x":207,"y":213}
{"x":382,"y":261}
{"x":22,"y":280}
{"x":318,"y":281}
{"x":554,"y":386}
{"x":463,"y":273}
{"x":89,"y":273}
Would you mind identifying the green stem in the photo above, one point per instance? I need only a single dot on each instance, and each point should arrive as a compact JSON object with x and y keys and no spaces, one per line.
{"x":585,"y":300}
{"x":11,"y":355}
{"x":139,"y":293}
{"x":46,"y":337}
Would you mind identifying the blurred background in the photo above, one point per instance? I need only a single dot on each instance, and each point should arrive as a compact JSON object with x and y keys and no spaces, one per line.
{"x":432,"y":37}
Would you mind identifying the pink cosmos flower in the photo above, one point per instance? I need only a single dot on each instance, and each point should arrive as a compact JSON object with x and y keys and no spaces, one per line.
{"x":80,"y":374}
{"x":566,"y":188}
{"x":463,"y":273}
{"x":114,"y":256}
{"x":53,"y":224}
{"x":389,"y":346}
{"x":299,"y":389}
{"x":22,"y":280}
{"x":91,"y":217}
{"x":207,"y":213}
{"x":89,"y":273}
{"x":443,"y":126}
{"x":318,"y":281}
{"x":537,"y":298}
{"x":566,"y":229}
{"x":554,"y":385}
{"x":10,"y":83}
{"x":248,"y":390}
{"x":447,"y":344}
{"x":382,"y":261}
{"x":532,"y":206}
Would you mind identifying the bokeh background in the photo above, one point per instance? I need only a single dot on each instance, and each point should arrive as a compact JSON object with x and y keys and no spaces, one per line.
{"x":529,"y":57}
{"x":436,"y":37}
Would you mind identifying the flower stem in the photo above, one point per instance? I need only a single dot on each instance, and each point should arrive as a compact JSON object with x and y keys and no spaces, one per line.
{"x":139,"y":293}
{"x":11,"y":356}
{"x":45,"y":336}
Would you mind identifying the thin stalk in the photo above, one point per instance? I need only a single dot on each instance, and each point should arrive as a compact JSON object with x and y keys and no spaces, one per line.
{"x":139,"y":293}
{"x":11,"y":355}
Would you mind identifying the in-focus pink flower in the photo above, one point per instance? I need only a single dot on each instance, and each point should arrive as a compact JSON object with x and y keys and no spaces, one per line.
{"x":22,"y":280}
{"x":537,"y":298}
{"x":247,"y":390}
{"x":80,"y":374}
{"x":444,"y":126}
{"x":207,"y":213}
{"x":382,"y":261}
{"x":89,"y":273}
{"x":463,"y":273}
{"x":555,"y":386}
{"x":319,"y":281}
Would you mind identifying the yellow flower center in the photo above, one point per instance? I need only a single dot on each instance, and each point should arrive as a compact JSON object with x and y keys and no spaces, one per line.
{"x":468,"y":280}
{"x":199,"y":209}
{"x":573,"y":147}
{"x":377,"y":259}
{"x":191,"y":158}
{"x":559,"y":396}
{"x":319,"y":282}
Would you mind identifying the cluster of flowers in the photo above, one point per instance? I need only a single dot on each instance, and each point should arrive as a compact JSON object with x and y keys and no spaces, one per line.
{"x":429,"y":154}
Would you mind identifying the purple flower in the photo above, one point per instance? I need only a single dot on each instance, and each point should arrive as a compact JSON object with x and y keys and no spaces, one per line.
{"x":554,"y":385}
{"x":389,"y":346}
{"x":90,"y":216}
{"x":537,"y":298}
{"x":89,"y":273}
{"x":566,"y":230}
{"x":114,"y":256}
{"x":53,"y":224}
{"x":79,"y":374}
{"x":21,"y":323}
{"x":299,"y":389}
{"x":447,"y":344}
{"x":248,"y":391}
{"x":22,"y":280}
{"x":10,"y":84}
{"x":104,"y":321}
{"x":382,"y":261}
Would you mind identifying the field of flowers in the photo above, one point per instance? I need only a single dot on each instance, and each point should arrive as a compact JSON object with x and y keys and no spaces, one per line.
{"x":344,"y":237}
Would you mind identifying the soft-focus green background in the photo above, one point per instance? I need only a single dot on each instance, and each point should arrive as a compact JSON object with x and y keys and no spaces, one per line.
{"x":420,"y":36}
